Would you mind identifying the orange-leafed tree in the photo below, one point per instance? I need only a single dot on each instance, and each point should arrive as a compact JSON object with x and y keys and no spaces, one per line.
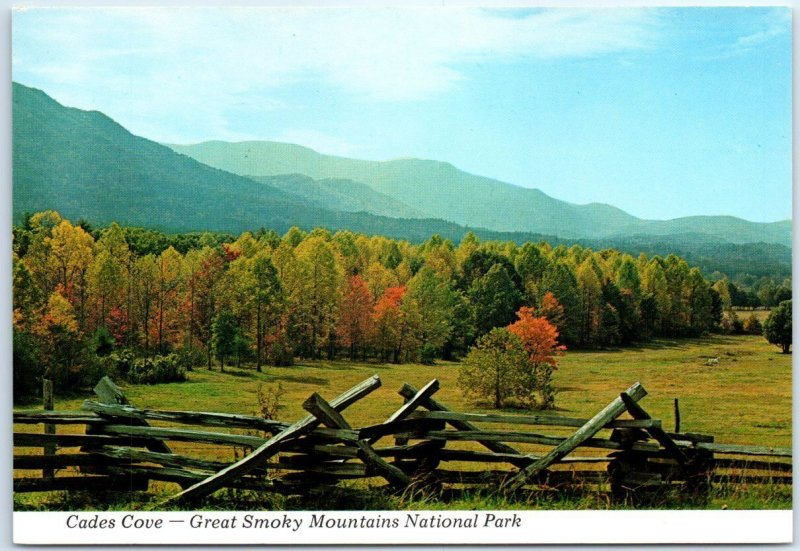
{"x":540,"y":339}
{"x":355,"y":315}
{"x":388,"y":318}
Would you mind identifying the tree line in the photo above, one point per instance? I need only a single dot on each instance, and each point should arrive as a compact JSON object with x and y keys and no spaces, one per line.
{"x":81,"y":294}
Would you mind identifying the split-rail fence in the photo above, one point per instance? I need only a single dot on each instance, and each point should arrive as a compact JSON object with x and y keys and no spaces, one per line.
{"x":423,"y":444}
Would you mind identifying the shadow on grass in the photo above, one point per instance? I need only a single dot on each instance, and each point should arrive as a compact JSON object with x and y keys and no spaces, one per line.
{"x":241,"y":373}
{"x":345,"y":365}
{"x":665,"y":344}
{"x":301,"y":379}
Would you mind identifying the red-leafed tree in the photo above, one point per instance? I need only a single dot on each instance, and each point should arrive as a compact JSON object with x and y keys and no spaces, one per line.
{"x":540,"y":339}
{"x":392,"y":330}
{"x":355,"y":316}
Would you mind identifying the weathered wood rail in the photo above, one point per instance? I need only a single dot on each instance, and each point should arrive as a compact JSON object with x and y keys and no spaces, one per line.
{"x":422,"y":444}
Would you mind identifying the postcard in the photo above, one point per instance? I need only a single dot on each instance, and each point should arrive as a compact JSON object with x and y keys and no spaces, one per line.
{"x":422,"y":275}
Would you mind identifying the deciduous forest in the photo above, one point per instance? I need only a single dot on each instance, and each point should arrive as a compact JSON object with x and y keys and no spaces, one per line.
{"x":147,"y":306}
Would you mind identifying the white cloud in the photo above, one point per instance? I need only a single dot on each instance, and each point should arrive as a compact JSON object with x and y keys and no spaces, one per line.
{"x":178,"y":74}
{"x":776,"y":23}
{"x":383,"y":54}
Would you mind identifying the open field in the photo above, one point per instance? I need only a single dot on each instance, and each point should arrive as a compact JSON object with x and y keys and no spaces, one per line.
{"x":761,"y":313}
{"x":744,"y":399}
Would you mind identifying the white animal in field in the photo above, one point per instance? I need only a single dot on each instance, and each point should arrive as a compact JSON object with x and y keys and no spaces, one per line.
{"x":712,"y":361}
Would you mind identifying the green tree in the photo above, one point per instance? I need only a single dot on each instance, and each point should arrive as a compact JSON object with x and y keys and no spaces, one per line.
{"x":530,"y":264}
{"x":498,"y":366}
{"x":778,"y":326}
{"x":225,"y":336}
{"x":589,"y":300}
{"x":494,"y":298}
{"x":435,"y":301}
{"x":559,"y":279}
{"x":268,"y":298}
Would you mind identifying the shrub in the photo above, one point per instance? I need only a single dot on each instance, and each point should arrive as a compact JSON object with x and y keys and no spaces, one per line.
{"x":752,"y":326}
{"x":731,"y":324}
{"x":103,"y":341}
{"x":190,"y":356}
{"x":155,"y":369}
{"x":269,"y":400}
{"x":428,"y":355}
{"x":280,"y":352}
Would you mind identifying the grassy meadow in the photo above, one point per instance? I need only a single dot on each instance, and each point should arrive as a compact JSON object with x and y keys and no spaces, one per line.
{"x":744,"y":397}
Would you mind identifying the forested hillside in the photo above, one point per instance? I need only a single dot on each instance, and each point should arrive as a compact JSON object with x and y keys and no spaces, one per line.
{"x":85,"y":299}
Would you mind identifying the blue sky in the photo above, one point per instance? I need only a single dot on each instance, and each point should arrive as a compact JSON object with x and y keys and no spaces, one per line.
{"x":661,"y":112}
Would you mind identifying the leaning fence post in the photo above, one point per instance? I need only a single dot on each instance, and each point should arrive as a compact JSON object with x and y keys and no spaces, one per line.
{"x":677,"y":417}
{"x":49,"y":428}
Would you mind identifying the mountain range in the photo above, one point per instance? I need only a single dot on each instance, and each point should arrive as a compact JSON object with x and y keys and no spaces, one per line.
{"x":440,"y":190}
{"x":85,"y":165}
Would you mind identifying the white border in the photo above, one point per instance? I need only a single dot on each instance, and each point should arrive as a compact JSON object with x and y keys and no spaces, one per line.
{"x":721,"y":527}
{"x":404,"y":527}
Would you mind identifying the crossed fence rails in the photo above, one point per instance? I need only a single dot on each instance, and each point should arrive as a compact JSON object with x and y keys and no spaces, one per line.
{"x":121,"y":451}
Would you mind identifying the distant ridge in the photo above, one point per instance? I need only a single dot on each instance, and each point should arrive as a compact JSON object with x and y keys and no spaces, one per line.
{"x":440,"y":190}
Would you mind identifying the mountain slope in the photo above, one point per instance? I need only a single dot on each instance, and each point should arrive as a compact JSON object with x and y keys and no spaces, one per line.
{"x":437,"y":189}
{"x":85,"y":165}
{"x":440,"y":190}
{"x":340,"y":194}
{"x":732,"y":229}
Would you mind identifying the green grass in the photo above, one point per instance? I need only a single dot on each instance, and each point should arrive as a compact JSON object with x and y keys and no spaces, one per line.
{"x":745,"y":398}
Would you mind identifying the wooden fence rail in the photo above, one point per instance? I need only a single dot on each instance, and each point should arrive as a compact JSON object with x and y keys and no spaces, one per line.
{"x":423,"y":443}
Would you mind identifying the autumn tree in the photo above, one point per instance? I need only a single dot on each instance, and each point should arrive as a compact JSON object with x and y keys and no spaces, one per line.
{"x":550,"y":309}
{"x":589,"y":301}
{"x":389,"y":324}
{"x":57,"y":330}
{"x":320,"y":279}
{"x":71,"y":252}
{"x":145,"y":293}
{"x":539,"y":337}
{"x":169,"y":266}
{"x":205,"y":288}
{"x":355,"y":316}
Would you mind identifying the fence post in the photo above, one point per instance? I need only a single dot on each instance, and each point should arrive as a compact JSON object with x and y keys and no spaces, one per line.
{"x":49,"y":428}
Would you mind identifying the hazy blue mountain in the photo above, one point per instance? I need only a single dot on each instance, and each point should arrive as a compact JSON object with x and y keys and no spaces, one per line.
{"x":340,"y":194}
{"x":85,"y":165}
{"x":729,"y":228}
{"x":437,"y":189}
{"x":440,"y":190}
